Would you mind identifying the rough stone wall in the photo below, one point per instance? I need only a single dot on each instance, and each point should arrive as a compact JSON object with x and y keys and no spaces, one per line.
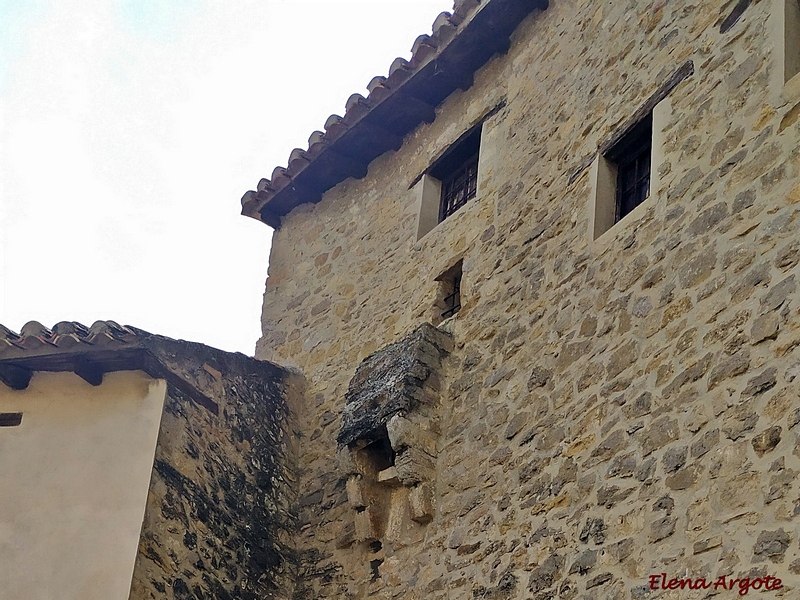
{"x":218,"y":523}
{"x":611,"y":409}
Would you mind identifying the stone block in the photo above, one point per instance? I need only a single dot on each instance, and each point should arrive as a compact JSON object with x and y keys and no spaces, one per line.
{"x":662,"y":529}
{"x":706,"y":545}
{"x":388,"y":476}
{"x":778,"y":294}
{"x":421,"y":502}
{"x":771,"y":545}
{"x":355,"y":491}
{"x":730,"y":367}
{"x":367,"y":525}
{"x":764,"y":327}
{"x":346,"y":462}
{"x":405,"y":434}
{"x":415,"y":466}
{"x":767,"y":440}
{"x":397,"y":519}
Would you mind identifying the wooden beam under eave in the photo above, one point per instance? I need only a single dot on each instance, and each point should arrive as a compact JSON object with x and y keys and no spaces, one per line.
{"x":17,"y":378}
{"x":90,"y":371}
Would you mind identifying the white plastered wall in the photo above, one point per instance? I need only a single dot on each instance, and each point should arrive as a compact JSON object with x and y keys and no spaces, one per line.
{"x":74,"y":478}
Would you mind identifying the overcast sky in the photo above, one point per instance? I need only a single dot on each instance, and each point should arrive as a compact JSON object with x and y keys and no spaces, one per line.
{"x":130,"y":129}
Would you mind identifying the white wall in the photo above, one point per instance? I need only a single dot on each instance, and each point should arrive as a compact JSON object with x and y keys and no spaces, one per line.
{"x":74,"y":478}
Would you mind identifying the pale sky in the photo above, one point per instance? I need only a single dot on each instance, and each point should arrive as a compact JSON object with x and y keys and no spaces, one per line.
{"x":130,"y":129}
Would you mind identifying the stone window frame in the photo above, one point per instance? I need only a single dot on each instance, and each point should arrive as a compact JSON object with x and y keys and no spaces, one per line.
{"x":428,"y":188}
{"x":605,"y":217}
{"x":603,"y":224}
{"x":785,"y":30}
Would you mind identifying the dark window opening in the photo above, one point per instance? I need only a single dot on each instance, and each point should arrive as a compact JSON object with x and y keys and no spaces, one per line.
{"x":381,"y":453}
{"x":631,"y":156}
{"x":10,"y":419}
{"x":450,"y":290}
{"x":374,"y":566}
{"x":457,"y":169}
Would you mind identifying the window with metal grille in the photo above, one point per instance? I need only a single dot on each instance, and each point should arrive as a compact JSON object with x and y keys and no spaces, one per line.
{"x":458,"y":172}
{"x":450,"y":291}
{"x":631,"y":156}
{"x":462,"y":186}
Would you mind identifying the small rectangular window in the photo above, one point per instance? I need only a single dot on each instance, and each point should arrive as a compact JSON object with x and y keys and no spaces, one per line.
{"x":449,"y":302}
{"x":631,"y":156}
{"x":452,"y":301}
{"x":10,"y":419}
{"x":457,"y":170}
{"x":622,"y":176}
{"x":453,"y":179}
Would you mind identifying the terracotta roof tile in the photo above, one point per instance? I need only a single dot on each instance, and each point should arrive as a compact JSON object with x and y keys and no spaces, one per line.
{"x":461,"y":42}
{"x":35,"y":338}
{"x":106,"y":346}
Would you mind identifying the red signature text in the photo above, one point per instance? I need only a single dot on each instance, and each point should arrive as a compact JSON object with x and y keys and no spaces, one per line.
{"x":742,"y":585}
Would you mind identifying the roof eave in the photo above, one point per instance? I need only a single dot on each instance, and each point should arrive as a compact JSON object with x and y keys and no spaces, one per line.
{"x":395,"y":107}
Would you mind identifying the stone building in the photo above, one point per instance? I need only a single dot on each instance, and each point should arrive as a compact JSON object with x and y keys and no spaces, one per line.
{"x":542,"y":287}
{"x":533,"y":332}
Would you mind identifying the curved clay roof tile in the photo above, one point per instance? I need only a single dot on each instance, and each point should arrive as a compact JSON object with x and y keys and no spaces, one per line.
{"x":444,"y":28}
{"x":277,"y":173}
{"x":249,"y":199}
{"x":399,"y":64}
{"x":280,"y":178}
{"x":400,"y":70}
{"x":103,"y":332}
{"x":424,"y":47}
{"x":297,"y":161}
{"x":7,"y":335}
{"x":315,"y":138}
{"x":462,"y":8}
{"x":70,"y":327}
{"x":334,"y":127}
{"x":422,"y":41}
{"x":379,"y":91}
{"x":332,"y":121}
{"x":357,"y":107}
{"x":35,"y":329}
{"x":375,"y":82}
{"x":263,"y":185}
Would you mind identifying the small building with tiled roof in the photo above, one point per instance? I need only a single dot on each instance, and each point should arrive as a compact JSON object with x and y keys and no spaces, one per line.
{"x":138,"y":466}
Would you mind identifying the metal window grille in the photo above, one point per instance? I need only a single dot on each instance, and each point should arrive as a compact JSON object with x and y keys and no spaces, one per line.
{"x":632,"y":157}
{"x":461,"y":187}
{"x":452,"y":301}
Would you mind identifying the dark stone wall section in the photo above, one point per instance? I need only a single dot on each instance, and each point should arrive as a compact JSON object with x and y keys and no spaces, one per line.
{"x":218,"y":520}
